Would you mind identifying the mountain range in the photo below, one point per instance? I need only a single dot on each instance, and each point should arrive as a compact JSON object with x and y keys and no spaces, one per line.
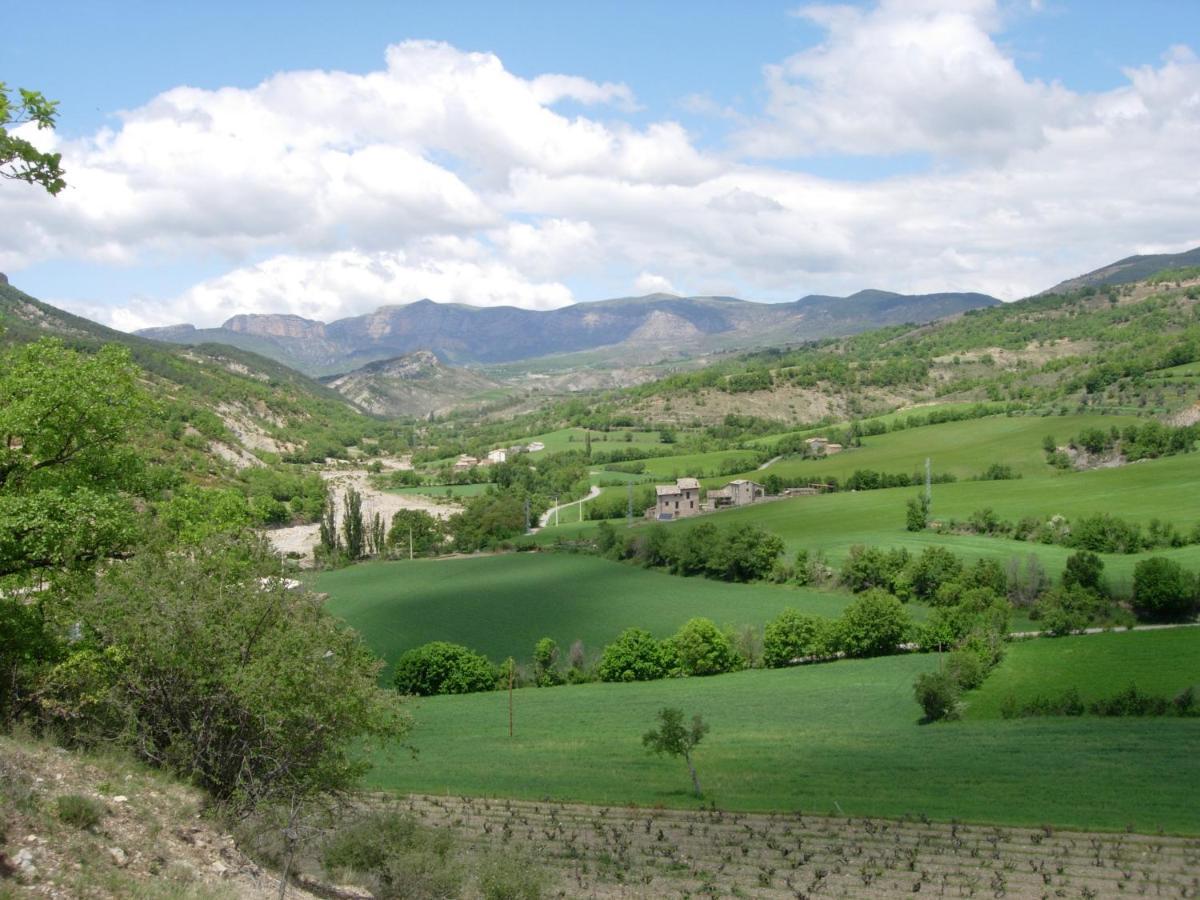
{"x":628,"y":330}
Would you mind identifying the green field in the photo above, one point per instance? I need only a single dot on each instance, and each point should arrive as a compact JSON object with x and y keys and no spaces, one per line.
{"x":502,"y":605}
{"x":575,"y":439}
{"x":1162,"y":663}
{"x":962,"y":449}
{"x":443,"y":490}
{"x":835,"y":738}
{"x":669,"y":468}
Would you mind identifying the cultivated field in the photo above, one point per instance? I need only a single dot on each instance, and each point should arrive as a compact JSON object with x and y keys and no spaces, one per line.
{"x":836,"y":738}
{"x":651,"y":853}
{"x":502,"y":605}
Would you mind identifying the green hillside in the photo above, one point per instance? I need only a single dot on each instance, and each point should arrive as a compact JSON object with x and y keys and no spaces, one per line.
{"x":838,"y":738}
{"x":502,"y":605}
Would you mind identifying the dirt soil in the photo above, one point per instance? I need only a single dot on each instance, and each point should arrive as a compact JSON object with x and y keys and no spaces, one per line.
{"x":151,"y":839}
{"x":655,"y":853}
{"x":300,"y":539}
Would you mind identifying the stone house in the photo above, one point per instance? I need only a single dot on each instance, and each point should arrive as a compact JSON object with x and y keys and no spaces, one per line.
{"x":676,"y":501}
{"x":737,"y":493}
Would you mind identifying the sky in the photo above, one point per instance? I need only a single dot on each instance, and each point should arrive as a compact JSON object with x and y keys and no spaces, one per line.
{"x":324,"y":160}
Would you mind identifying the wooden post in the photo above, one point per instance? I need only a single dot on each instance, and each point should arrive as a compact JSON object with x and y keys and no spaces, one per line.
{"x":512,"y":671}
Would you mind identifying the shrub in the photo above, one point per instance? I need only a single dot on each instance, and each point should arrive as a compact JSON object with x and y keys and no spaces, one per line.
{"x":966,"y":668}
{"x":1162,"y":589}
{"x":700,"y":648}
{"x":935,"y":566}
{"x":399,"y":856}
{"x":208,"y":663}
{"x":443,"y":668}
{"x":938,"y":694}
{"x":792,"y":635}
{"x":545,"y":663}
{"x":505,"y":877}
{"x":635,"y":656}
{"x":80,"y":811}
{"x":875,"y":624}
{"x":872,"y":567}
{"x":1068,"y":609}
{"x":1083,"y":569}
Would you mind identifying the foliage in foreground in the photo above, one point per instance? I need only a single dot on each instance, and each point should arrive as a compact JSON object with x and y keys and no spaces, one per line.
{"x":208,"y":663}
{"x":674,"y":738}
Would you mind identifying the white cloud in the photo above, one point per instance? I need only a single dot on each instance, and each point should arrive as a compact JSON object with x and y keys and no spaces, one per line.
{"x":649,"y":283}
{"x":444,"y":175}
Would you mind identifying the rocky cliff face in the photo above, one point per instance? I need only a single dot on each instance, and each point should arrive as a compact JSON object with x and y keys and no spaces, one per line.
{"x":614,"y":330}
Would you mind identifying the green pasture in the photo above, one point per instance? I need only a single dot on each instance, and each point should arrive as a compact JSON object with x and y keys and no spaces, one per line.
{"x":443,"y":490}
{"x":1167,"y":489}
{"x":668,"y":468}
{"x":962,"y":449}
{"x":502,"y":605}
{"x":841,"y":738}
{"x":575,"y":439}
{"x":886,"y":418}
{"x":1162,"y":663}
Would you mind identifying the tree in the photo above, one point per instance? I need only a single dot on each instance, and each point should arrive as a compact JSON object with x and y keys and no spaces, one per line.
{"x":792,"y":635}
{"x":676,"y":739}
{"x":331,"y":542}
{"x":545,"y":663}
{"x":875,"y":624}
{"x":417,"y":529}
{"x":635,"y":656}
{"x":19,"y":159}
{"x":1162,"y":588}
{"x":353,"y":526}
{"x":1083,"y":569}
{"x":211,"y":664}
{"x":917,"y":514}
{"x":67,"y":464}
{"x":703,"y":649}
{"x":938,"y":693}
{"x":440,"y":667}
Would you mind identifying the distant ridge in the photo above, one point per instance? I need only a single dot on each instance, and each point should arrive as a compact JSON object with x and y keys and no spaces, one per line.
{"x":612,"y":332}
{"x":1128,"y":270}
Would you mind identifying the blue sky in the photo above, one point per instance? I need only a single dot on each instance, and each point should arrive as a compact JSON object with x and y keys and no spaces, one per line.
{"x":760,"y":149}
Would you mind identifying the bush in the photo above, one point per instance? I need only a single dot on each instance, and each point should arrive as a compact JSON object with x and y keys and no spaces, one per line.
{"x":792,"y":635}
{"x":702,"y":649}
{"x":872,"y":567}
{"x":1083,"y":569}
{"x":934,"y":567}
{"x":399,"y":856}
{"x":1068,"y":609}
{"x":966,"y":668}
{"x":80,"y":811}
{"x":443,"y":668}
{"x":1162,"y":589}
{"x":875,"y":624}
{"x":545,"y":663}
{"x":635,"y":656}
{"x":505,"y":877}
{"x":208,"y":663}
{"x":938,"y":694}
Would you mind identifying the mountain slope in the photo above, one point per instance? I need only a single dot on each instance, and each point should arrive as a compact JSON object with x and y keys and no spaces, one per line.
{"x":223,"y":405}
{"x":416,"y":384}
{"x":1129,"y":270}
{"x":661,"y":324}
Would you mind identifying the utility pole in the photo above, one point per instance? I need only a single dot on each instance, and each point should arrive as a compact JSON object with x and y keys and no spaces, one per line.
{"x":527,"y":514}
{"x":410,"y":552}
{"x":555,"y":510}
{"x":629,"y":504}
{"x":512,"y":665}
{"x":928,"y":486}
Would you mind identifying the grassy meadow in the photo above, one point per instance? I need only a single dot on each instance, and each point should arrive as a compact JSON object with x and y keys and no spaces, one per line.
{"x":840,"y":737}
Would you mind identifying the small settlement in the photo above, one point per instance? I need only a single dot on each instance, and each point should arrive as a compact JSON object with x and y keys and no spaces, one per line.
{"x":682,"y":499}
{"x":495,"y":457}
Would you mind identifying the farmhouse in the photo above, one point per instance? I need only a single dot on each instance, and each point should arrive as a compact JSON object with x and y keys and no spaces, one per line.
{"x":819,"y":446}
{"x":465,"y":462}
{"x":676,"y":501}
{"x":497,"y":456}
{"x":737,"y":493}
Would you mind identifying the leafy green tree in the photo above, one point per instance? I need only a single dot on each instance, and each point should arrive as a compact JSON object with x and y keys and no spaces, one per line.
{"x":792,"y":635}
{"x":1162,"y":588}
{"x":19,"y":159}
{"x":440,"y":667}
{"x":875,"y":624}
{"x":415,"y":525}
{"x":213,"y":665}
{"x":703,"y":649}
{"x":354,"y":532}
{"x":68,"y":466}
{"x":635,"y":656}
{"x":747,"y":553}
{"x":331,"y":541}
{"x":487,"y":519}
{"x":1083,"y":569}
{"x":917,"y":513}
{"x":930,"y":570}
{"x":193,"y":513}
{"x":939,"y":694}
{"x":674,"y":738}
{"x":545,"y":663}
